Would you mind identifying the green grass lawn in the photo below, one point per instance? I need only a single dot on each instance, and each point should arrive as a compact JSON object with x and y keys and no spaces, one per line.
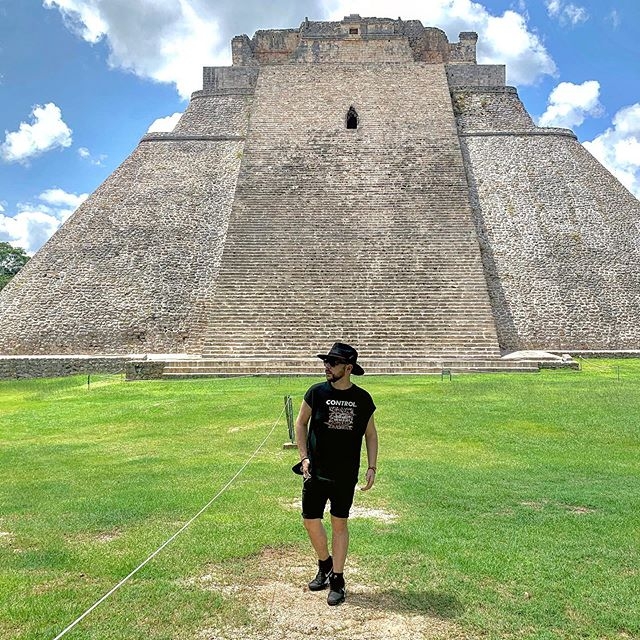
{"x":517,"y":496}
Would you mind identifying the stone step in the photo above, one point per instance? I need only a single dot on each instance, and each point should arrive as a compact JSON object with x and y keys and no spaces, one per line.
{"x":426,"y":338}
{"x":267,"y":366}
{"x":324,"y":224}
{"x":452,"y":349}
{"x":246,"y":345}
{"x":440,"y":355}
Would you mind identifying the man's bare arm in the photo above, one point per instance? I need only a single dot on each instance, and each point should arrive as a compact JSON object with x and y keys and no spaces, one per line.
{"x":302,"y":425}
{"x":371,"y":442}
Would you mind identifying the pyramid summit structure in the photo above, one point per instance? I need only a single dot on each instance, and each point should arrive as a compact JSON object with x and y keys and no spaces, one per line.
{"x":364,"y":181}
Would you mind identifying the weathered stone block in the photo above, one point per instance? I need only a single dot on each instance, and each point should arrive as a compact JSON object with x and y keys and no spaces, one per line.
{"x":144,"y":370}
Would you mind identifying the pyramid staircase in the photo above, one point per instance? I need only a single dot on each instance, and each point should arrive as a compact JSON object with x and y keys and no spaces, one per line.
{"x":360,"y":235}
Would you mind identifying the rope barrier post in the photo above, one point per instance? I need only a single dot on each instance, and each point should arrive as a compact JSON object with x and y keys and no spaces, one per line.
{"x":288,"y":409}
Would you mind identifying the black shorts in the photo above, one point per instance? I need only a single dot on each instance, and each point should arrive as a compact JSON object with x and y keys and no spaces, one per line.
{"x":316,"y":492}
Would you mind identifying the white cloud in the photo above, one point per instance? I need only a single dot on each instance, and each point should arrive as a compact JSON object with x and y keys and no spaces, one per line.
{"x":614,"y":18}
{"x":81,"y":17}
{"x":85,"y":154}
{"x":569,"y":104}
{"x":28,"y":230}
{"x":171,"y":40}
{"x":502,"y":39}
{"x":566,"y":13}
{"x":163,"y":40}
{"x":521,"y":5}
{"x":34,"y":224}
{"x":507,"y":40}
{"x":553,"y":7}
{"x":58,"y":198}
{"x":165,"y":124}
{"x":618,"y":148}
{"x":46,"y":131}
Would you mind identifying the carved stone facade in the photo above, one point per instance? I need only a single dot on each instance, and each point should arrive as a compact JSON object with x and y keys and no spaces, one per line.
{"x":353,"y":39}
{"x":460,"y":229}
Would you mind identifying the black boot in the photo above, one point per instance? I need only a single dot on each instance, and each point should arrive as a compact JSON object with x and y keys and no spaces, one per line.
{"x":325,"y":571}
{"x":337,"y":591}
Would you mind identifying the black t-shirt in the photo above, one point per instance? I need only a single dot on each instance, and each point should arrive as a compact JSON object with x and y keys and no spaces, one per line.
{"x":338,"y":422}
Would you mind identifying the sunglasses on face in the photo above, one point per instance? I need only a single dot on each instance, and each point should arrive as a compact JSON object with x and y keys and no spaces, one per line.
{"x":333,"y":362}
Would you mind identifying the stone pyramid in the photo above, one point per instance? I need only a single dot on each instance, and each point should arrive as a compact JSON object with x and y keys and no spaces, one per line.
{"x":364,"y":181}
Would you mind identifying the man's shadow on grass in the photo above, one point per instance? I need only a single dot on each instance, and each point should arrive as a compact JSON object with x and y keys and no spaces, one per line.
{"x":431,"y":603}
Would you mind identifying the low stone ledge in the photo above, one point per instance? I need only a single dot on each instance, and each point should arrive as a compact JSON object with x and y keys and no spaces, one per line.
{"x":559,"y":364}
{"x":567,"y":133}
{"x":612,"y":354}
{"x":206,"y":93}
{"x":19,"y":367}
{"x":482,"y":88}
{"x":144,"y":369}
{"x":542,"y":359}
{"x":161,"y":136}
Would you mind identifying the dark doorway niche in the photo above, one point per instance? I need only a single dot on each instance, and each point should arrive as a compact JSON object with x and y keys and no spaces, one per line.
{"x":352,"y":118}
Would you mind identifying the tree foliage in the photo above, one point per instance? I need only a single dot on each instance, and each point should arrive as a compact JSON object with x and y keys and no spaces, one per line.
{"x":12,"y":259}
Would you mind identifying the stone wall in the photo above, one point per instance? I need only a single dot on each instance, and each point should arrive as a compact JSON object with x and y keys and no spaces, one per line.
{"x":353,"y":39}
{"x":274,"y":46}
{"x":354,"y":50}
{"x":414,"y":202}
{"x":476,"y":75}
{"x":495,"y":109}
{"x":57,"y":366}
{"x":144,"y":369}
{"x":123,"y":273}
{"x":234,"y":79}
{"x":213,"y":114}
{"x":363,"y":234}
{"x":559,"y":233}
{"x":465,"y":50}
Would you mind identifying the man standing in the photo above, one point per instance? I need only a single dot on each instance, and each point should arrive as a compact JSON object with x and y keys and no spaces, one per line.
{"x":334,"y":417}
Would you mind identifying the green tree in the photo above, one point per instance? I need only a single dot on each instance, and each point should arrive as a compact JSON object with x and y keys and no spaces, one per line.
{"x":12,"y":259}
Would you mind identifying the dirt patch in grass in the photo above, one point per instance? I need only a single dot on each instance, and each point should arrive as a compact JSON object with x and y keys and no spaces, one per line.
{"x":574,"y":509}
{"x":7,"y":539}
{"x":356,"y":512}
{"x":272,"y":587}
{"x":99,"y":537}
{"x":536,"y":506}
{"x":577,"y":509}
{"x":108,"y":536}
{"x":373,"y":514}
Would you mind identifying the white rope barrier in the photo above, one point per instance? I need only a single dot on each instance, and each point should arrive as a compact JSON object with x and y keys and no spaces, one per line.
{"x":173,"y":537}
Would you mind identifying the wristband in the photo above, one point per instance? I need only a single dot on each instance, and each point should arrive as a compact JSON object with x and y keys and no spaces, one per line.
{"x":305,"y":458}
{"x":374,"y":469}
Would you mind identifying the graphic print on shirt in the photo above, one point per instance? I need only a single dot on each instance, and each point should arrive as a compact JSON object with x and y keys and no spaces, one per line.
{"x":341,"y":414}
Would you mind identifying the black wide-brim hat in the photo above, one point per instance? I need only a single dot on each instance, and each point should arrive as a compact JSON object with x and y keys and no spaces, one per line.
{"x":347,"y":353}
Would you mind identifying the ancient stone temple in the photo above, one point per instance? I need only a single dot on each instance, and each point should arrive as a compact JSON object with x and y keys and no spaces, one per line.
{"x":363,"y":180}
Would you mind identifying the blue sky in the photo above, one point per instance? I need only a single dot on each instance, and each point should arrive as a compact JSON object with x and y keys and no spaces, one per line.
{"x":82,"y":80}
